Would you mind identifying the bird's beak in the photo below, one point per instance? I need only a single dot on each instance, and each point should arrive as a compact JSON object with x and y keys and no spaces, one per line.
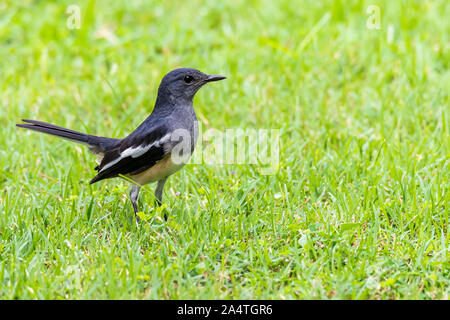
{"x":213,"y":77}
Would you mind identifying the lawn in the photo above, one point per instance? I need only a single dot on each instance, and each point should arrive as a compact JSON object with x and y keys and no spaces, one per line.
{"x":358,"y":207}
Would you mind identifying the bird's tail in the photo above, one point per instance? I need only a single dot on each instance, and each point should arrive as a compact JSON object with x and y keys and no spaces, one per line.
{"x":95,"y":144}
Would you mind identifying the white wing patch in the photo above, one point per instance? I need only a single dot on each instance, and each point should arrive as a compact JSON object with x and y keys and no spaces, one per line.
{"x":136,"y":152}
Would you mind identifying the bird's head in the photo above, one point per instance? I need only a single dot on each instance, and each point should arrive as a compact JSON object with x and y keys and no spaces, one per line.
{"x":183,"y":83}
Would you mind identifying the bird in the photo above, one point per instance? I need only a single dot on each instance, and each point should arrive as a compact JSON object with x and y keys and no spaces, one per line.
{"x":157,"y":148}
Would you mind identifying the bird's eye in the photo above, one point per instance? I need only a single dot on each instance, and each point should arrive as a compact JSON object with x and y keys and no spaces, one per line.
{"x":188,"y":79}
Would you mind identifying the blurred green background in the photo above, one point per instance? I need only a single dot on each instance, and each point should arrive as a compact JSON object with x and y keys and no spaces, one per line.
{"x":359,"y":208}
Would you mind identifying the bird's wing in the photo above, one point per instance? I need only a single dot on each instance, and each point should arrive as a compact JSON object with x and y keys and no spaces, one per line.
{"x":135,"y":153}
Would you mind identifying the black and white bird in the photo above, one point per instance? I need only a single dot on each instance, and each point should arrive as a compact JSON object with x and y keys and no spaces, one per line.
{"x":159,"y":146}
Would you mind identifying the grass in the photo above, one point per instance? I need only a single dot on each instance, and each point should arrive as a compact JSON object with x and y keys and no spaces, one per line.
{"x":359,"y":208}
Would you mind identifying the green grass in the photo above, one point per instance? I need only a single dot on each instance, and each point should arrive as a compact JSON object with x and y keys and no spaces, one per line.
{"x":359,"y":208}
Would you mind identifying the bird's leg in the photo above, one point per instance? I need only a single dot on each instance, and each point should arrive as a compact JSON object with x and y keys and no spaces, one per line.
{"x":134,"y":195}
{"x":159,"y":194}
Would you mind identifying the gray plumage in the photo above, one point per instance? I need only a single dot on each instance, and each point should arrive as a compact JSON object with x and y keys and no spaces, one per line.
{"x":146,"y":155}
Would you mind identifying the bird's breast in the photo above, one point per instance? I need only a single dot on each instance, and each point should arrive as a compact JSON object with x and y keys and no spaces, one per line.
{"x":162,"y":169}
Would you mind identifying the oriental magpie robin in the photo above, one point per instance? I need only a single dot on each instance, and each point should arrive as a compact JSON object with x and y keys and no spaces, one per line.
{"x":148,"y":153}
